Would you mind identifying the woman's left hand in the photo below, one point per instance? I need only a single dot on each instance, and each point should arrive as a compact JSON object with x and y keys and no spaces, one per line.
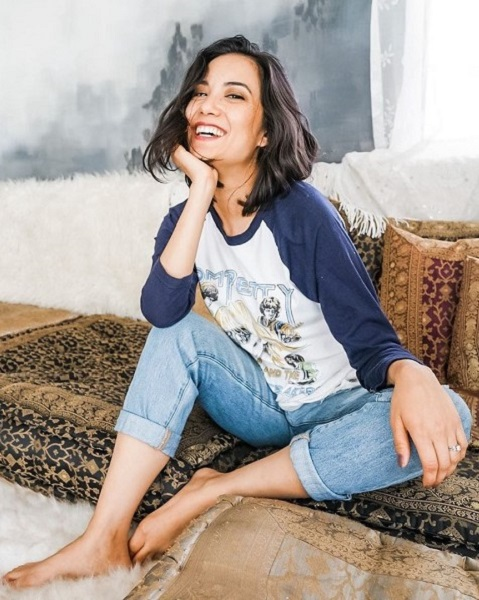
{"x":423,"y":411}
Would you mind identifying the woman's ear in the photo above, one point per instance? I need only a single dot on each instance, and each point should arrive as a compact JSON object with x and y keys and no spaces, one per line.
{"x":263,"y":141}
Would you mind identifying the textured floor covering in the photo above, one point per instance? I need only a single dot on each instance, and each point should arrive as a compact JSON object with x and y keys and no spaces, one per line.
{"x":252,"y":550}
{"x":17,"y":317}
{"x":33,"y":526}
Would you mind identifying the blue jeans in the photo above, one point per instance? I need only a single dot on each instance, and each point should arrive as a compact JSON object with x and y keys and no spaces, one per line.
{"x":339,"y":446}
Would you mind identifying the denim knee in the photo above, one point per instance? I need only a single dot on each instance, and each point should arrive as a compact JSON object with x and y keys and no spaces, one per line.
{"x":195,"y":360}
{"x":355,"y":453}
{"x":463,"y":410}
{"x":162,"y":392}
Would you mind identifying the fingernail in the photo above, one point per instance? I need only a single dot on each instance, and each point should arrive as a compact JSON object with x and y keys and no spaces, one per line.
{"x":401,"y":461}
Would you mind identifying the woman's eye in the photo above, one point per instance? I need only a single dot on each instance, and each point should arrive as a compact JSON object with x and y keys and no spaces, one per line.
{"x":236,"y":96}
{"x":197,"y":94}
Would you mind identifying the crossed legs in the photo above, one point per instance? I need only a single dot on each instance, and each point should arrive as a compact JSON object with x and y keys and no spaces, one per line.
{"x":105,"y":544}
{"x":344,"y":446}
{"x":208,"y":364}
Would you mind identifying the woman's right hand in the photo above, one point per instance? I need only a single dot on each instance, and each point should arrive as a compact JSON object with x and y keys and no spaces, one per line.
{"x":198,"y":171}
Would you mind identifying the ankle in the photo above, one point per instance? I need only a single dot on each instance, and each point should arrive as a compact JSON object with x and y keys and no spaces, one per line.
{"x":107,"y":532}
{"x":212,"y":487}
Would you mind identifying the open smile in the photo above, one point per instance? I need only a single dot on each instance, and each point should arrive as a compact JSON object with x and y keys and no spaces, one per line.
{"x":208,"y":132}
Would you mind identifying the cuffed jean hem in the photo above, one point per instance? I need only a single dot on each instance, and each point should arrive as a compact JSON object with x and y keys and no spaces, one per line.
{"x":306,"y":471}
{"x":153,"y":434}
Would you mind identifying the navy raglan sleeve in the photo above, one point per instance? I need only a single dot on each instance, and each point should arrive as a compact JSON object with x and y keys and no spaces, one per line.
{"x":351,"y":307}
{"x":165,"y":300}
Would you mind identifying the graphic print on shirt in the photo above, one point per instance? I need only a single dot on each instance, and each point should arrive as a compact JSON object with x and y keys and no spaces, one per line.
{"x":270,"y":308}
{"x":271,"y":341}
{"x":264,"y":294}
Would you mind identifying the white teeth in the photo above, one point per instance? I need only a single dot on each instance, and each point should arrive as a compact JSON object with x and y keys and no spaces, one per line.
{"x":209,"y":130}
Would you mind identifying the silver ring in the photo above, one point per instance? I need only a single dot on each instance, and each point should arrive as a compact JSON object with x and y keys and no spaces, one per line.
{"x":456,"y":448}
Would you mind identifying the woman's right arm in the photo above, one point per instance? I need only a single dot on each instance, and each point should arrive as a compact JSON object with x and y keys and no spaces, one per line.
{"x":169,"y":290}
{"x":178,"y":257}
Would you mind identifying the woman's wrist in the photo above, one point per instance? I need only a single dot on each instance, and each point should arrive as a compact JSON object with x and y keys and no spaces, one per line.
{"x":203,"y":188}
{"x":406,"y":368}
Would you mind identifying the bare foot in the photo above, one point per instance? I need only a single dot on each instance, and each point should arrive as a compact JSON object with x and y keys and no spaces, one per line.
{"x":157,"y":531}
{"x":83,"y":557}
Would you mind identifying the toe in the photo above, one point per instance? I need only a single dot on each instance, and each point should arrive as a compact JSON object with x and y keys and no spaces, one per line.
{"x":26,"y":576}
{"x":12,"y":576}
{"x":13,"y":579}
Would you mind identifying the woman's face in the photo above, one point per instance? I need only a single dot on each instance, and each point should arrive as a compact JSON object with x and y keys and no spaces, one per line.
{"x":225,"y":115}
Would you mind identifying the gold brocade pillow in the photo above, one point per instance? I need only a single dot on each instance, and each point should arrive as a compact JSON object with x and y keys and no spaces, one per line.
{"x":420,"y":285}
{"x":463,"y":369}
{"x":440,"y":230}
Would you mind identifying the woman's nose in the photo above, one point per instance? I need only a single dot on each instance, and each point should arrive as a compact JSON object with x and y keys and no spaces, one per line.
{"x":210,"y":105}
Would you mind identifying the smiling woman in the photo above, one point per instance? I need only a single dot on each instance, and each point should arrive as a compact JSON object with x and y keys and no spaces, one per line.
{"x":225,"y":118}
{"x":322,"y":377}
{"x":258,"y":96}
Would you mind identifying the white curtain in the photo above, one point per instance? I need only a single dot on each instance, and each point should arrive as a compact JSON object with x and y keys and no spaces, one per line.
{"x":425,"y":74}
{"x":425,"y":109}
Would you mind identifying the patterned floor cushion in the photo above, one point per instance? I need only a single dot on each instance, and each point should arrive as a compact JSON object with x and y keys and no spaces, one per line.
{"x":445,"y":518}
{"x":61,"y":387}
{"x":259,"y":548}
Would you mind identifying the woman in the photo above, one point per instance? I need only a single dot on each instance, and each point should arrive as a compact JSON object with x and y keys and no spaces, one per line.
{"x":368,"y":416}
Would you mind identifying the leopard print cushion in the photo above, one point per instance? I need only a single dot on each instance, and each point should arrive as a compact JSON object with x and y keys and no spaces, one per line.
{"x":370,"y":249}
{"x":61,"y":389}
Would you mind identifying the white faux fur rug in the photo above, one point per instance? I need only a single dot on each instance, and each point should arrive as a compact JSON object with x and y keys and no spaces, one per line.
{"x":32,"y":527}
{"x":82,"y":244}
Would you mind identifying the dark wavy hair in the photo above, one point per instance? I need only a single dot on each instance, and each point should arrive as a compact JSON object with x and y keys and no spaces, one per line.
{"x":291,"y":149}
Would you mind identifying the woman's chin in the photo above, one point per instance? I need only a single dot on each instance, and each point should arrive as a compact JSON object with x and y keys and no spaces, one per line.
{"x":206,"y":154}
{"x":208,"y":157}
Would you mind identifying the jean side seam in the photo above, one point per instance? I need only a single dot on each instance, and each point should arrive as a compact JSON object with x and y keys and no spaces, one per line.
{"x":165,"y":439}
{"x":179,"y":401}
{"x":130,"y":423}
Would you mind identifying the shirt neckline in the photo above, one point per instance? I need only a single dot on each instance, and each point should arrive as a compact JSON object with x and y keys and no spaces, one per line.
{"x":241,"y":238}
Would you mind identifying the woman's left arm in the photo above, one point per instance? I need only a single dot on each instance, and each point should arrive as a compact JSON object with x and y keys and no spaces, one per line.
{"x":423,"y":411}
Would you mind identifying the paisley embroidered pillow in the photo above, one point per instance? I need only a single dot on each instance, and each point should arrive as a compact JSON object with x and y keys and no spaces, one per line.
{"x":420,"y":286}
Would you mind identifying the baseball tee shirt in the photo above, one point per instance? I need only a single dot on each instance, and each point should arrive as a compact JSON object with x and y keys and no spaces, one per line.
{"x":291,"y":290}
